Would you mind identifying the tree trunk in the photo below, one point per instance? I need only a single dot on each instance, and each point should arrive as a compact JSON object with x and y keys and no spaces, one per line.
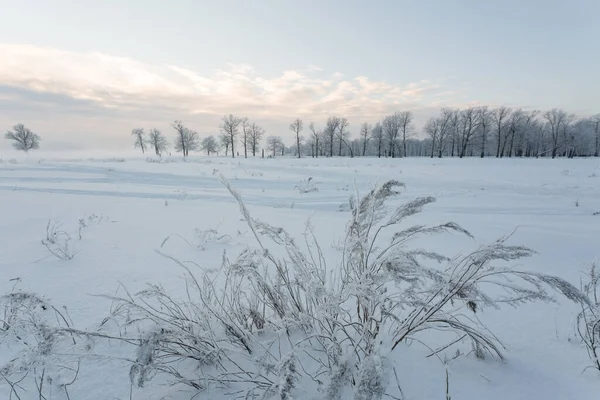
{"x":298,"y":143}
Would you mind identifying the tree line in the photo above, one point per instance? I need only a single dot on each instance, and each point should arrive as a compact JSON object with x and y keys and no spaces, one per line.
{"x":469,"y":132}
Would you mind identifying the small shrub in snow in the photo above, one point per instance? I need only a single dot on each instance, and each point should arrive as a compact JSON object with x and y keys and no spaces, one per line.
{"x":58,"y":242}
{"x":205,"y":237}
{"x":33,"y":335}
{"x":297,"y":324}
{"x":306,"y":186}
{"x":588,"y":320}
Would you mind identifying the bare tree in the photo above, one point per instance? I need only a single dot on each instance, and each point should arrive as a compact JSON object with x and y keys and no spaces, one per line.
{"x":342,"y":133}
{"x":245,"y":135}
{"x":455,"y":123}
{"x":391,"y":128}
{"x":555,"y":119}
{"x":274,"y":143}
{"x":230,"y":126}
{"x":468,"y":127}
{"x":365,"y":135}
{"x":330,"y":131}
{"x":158,"y":141}
{"x":377,"y":135}
{"x":256,"y":133}
{"x":316,"y":135}
{"x":405,"y":120}
{"x":483,"y":119}
{"x":140,"y":139}
{"x":225,"y":142}
{"x":181,"y":141}
{"x":209,"y":144}
{"x":23,"y":138}
{"x":296,"y":126}
{"x":499,"y":116}
{"x":187,"y":141}
{"x":514,"y":125}
{"x":596,"y":123}
{"x":444,"y":129}
{"x":432,"y":129}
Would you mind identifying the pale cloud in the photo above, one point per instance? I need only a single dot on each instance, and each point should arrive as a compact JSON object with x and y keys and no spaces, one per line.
{"x":115,"y":81}
{"x":138,"y":91}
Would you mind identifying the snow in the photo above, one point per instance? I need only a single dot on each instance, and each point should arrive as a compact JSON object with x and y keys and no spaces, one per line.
{"x":550,"y":203}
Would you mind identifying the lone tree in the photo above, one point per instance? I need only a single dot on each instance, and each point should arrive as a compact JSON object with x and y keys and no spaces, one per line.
{"x":297,"y":127}
{"x":209,"y":144}
{"x":229,"y":127}
{"x":158,"y":141}
{"x":23,"y":139}
{"x":140,"y":139}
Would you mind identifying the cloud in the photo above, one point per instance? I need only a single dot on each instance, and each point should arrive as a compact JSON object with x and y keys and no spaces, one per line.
{"x":34,"y":78}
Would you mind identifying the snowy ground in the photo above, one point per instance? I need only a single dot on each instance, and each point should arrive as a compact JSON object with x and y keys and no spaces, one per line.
{"x":140,"y":203}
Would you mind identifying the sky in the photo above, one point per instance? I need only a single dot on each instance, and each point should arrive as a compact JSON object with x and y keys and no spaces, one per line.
{"x":83,"y":73}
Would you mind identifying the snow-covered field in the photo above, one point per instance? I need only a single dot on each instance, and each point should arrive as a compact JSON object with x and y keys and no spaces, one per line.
{"x":130,"y":206}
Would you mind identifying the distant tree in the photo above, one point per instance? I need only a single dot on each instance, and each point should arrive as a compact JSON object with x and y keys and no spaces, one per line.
{"x":256,"y":133}
{"x":514,"y":125}
{"x":23,"y":138}
{"x":342,"y":134}
{"x":245,"y":135}
{"x":225,"y":142}
{"x":180,"y":141}
{"x":187,"y":140}
{"x":158,"y":141}
{"x":230,"y":127}
{"x":140,"y":139}
{"x":391,"y":128}
{"x":405,"y":120}
{"x":274,"y":143}
{"x":377,"y":135}
{"x":444,"y":129}
{"x":499,"y":118}
{"x":209,"y":144}
{"x":596,"y":124}
{"x":555,"y":119}
{"x":330,"y":131}
{"x":432,"y":129}
{"x":483,"y":119}
{"x":296,"y":126}
{"x":316,"y":135}
{"x":468,"y":126}
{"x":365,"y":135}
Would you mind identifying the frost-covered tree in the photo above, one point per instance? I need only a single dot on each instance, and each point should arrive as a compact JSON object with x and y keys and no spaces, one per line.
{"x":157,"y":141}
{"x":343,"y":134}
{"x":391,"y":129}
{"x":256,"y":134}
{"x":405,"y":120}
{"x":315,"y":139}
{"x":209,"y":144}
{"x":140,"y":139}
{"x":296,"y":126}
{"x":230,"y":126}
{"x":331,"y":128}
{"x":245,"y":135}
{"x":274,"y":143}
{"x":186,"y":140}
{"x":365,"y":136}
{"x":377,"y":135}
{"x":596,"y":123}
{"x":225,"y":142}
{"x":23,"y":138}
